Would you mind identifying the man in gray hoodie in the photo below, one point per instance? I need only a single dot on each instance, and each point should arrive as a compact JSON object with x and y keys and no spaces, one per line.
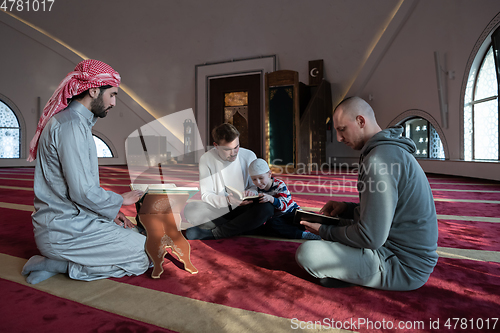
{"x":389,"y":240}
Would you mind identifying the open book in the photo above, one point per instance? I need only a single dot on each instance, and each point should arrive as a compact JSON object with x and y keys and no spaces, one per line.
{"x":241,"y":196}
{"x":147,"y":187}
{"x":162,"y":188}
{"x":302,"y":215}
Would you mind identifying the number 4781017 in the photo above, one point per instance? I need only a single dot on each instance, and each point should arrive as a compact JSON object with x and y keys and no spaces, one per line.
{"x":27,"y":5}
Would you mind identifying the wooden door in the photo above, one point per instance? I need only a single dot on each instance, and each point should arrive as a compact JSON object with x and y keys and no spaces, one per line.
{"x":246,"y":118}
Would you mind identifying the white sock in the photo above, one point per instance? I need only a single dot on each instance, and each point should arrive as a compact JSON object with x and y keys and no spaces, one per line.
{"x":40,"y":263}
{"x":39,"y":276}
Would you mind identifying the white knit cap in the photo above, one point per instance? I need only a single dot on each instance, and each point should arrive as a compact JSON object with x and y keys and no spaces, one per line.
{"x":258,"y":167}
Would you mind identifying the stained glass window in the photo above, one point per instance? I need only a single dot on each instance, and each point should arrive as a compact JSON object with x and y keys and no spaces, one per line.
{"x":426,"y":138}
{"x":481,"y":112}
{"x":238,"y":98}
{"x":236,"y":113}
{"x":436,"y":149}
{"x":10,"y":133}
{"x":102,"y":148}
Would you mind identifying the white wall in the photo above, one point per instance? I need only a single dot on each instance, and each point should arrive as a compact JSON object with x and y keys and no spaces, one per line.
{"x":156,"y":44}
{"x":368,"y":47}
{"x":405,"y":77}
{"x":33,"y":66}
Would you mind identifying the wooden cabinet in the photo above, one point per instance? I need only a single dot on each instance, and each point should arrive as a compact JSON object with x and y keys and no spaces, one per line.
{"x":296,"y":121}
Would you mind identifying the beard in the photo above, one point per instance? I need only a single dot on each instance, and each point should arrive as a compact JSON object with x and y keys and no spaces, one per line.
{"x":97,"y":107}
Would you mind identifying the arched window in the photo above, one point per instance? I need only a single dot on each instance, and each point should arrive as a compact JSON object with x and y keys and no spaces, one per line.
{"x":10,"y":133}
{"x":103,"y":149}
{"x":425,"y":136}
{"x":481,"y":111}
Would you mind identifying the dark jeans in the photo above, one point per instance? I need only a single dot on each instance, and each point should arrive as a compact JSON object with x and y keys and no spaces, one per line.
{"x":282,"y":226}
{"x":225,"y":223}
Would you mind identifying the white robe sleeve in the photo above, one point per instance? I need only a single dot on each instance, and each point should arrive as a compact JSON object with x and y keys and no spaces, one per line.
{"x":208,"y":179}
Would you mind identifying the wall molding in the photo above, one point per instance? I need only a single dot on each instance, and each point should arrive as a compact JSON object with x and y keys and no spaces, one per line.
{"x":205,"y":72}
{"x":474,"y":61}
{"x":412,"y":113}
{"x":108,"y":142}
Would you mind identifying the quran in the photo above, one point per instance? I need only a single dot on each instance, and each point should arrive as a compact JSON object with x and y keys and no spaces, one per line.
{"x":241,"y":196}
{"x":162,"y":188}
{"x":302,"y":215}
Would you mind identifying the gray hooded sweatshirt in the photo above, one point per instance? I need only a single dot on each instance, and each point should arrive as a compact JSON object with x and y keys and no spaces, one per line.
{"x":396,"y":214}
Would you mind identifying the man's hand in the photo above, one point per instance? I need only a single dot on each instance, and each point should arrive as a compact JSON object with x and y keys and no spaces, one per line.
{"x":130,"y":198}
{"x":266,"y":198}
{"x":311,"y":227}
{"x":235,"y":201}
{"x":248,"y":193}
{"x":333,"y":208}
{"x":123,"y":221}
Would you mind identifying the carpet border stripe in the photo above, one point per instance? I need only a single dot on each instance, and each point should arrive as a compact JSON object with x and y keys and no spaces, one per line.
{"x":176,"y":313}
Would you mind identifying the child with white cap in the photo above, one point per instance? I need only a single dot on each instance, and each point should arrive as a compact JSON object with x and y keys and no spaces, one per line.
{"x":274,"y":191}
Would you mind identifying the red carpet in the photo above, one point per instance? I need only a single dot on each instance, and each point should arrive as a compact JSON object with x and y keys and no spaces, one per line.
{"x":262,"y":275}
{"x":469,"y":235}
{"x":26,"y":309}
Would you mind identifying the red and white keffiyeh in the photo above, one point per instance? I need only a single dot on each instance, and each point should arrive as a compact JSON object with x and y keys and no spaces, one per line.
{"x":87,"y":74}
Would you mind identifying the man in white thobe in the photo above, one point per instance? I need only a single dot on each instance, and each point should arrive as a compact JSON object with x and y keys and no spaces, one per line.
{"x":78,"y":226}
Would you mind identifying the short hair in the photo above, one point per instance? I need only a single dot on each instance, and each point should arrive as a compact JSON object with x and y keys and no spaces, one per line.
{"x":354,"y":106}
{"x":345,"y":100}
{"x":225,"y":132}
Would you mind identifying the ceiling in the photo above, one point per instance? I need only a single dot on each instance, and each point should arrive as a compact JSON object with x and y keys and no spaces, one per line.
{"x":156,"y":44}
